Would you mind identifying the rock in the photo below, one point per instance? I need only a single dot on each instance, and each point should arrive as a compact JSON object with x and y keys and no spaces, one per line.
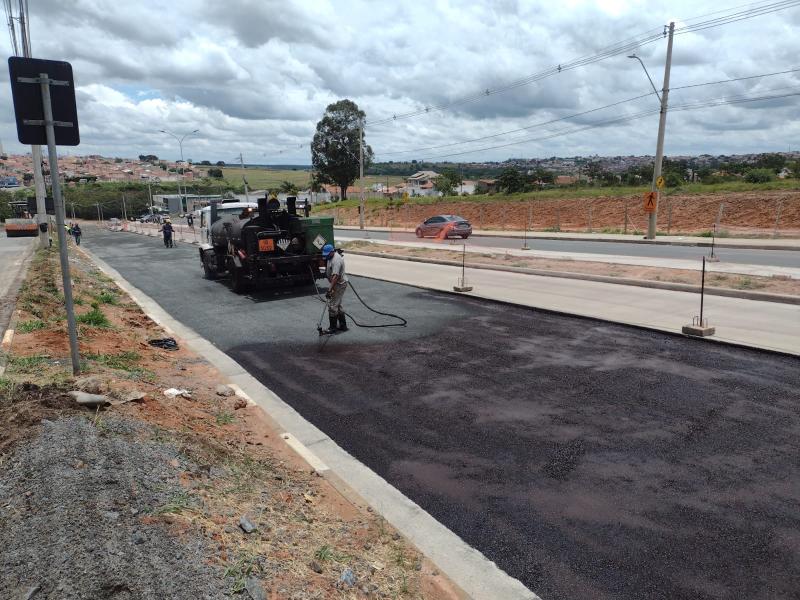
{"x":90,"y":400}
{"x":138,"y":538}
{"x":347,"y":578}
{"x":396,"y":536}
{"x":131,"y":396}
{"x":246,"y":524}
{"x":240,"y":403}
{"x":254,"y":588}
{"x":174,"y":392}
{"x":225,"y":391}
{"x":315,"y":566}
{"x":92,"y":384}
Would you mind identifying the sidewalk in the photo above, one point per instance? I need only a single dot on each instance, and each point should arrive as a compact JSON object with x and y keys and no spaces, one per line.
{"x":639,"y":261}
{"x":766,"y":325}
{"x":670,"y":240}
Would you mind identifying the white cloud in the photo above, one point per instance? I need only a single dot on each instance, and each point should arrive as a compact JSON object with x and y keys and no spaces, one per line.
{"x":255,"y":75}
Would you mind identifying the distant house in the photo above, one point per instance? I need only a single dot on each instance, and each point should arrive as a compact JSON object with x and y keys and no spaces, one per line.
{"x":421,"y":183}
{"x":565,"y":180}
{"x":785,"y":172}
{"x":486,"y":186}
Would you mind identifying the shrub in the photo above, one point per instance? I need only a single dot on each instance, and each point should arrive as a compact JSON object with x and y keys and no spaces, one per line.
{"x":758,"y":176}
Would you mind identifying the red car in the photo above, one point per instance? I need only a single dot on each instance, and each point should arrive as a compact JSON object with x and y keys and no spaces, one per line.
{"x":445,"y":226}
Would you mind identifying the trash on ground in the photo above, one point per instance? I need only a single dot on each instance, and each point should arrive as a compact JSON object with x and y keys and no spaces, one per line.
{"x":164,"y":343}
{"x":175,"y":392}
{"x":91,"y":400}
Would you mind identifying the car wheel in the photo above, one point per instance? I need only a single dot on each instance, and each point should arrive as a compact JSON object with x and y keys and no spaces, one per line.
{"x":463,"y":237}
{"x":419,"y":232}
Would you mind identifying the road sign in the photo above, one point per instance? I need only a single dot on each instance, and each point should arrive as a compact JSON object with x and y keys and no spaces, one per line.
{"x":26,"y":90}
{"x":660,"y":182}
{"x":650,"y":202}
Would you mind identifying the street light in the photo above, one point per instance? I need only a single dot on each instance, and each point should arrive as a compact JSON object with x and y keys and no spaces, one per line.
{"x":183,"y":168}
{"x":653,"y":85}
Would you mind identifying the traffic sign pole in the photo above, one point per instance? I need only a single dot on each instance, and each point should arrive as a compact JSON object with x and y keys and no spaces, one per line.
{"x":45,"y":82}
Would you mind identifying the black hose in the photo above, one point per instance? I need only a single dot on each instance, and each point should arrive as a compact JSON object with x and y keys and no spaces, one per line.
{"x":403,"y":322}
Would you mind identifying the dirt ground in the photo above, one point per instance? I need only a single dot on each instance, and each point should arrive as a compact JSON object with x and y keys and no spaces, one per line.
{"x":773,"y":285}
{"x":743,"y":213}
{"x":154,"y":488}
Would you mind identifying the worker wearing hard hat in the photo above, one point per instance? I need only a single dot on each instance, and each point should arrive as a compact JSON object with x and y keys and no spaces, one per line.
{"x":337,"y":277}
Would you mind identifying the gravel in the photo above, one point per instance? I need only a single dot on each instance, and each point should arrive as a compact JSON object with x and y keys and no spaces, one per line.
{"x":70,"y":519}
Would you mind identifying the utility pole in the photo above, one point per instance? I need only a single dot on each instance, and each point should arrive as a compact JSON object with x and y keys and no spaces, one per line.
{"x":36,"y":150}
{"x":361,"y":172}
{"x":662,"y":124}
{"x":244,"y":179}
{"x":124,"y":212}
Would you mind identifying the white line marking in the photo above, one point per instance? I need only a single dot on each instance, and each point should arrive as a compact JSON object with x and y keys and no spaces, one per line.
{"x":312,"y":459}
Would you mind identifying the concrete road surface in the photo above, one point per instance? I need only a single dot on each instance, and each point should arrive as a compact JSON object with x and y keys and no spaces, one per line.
{"x":588,"y":460}
{"x":776,"y":258}
{"x":13,"y":254}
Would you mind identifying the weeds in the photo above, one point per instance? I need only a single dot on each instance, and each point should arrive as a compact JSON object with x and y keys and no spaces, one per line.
{"x":324,"y":553}
{"x":27,"y":364}
{"x":94,"y":318}
{"x":240,"y":571}
{"x":177,"y":503}
{"x":107,"y":298}
{"x":29,"y":326}
{"x":225,"y":418}
{"x":124,"y":361}
{"x":745,"y":283}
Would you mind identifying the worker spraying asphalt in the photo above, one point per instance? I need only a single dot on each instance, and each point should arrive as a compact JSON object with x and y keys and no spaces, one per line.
{"x":339,"y":283}
{"x":337,"y":278}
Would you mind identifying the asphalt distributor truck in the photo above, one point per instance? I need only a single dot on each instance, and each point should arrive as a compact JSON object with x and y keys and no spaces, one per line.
{"x":269,"y":248}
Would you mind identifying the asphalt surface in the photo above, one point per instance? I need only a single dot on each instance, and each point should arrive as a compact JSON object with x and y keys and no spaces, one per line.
{"x":12,"y":252}
{"x":589,"y":460}
{"x":774,"y":258}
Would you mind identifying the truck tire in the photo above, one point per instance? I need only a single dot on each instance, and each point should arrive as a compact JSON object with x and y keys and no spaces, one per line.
{"x":208,"y":272}
{"x":239,"y":283}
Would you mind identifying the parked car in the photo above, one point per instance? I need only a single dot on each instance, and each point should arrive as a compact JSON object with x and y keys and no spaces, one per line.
{"x":445,"y":225}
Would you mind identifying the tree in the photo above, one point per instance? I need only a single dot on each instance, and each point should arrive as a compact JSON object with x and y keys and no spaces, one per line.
{"x":448,"y":180}
{"x":510,"y":181}
{"x":220,"y":163}
{"x":151,"y":158}
{"x":775,"y":162}
{"x":205,"y":163}
{"x":334,"y":149}
{"x":215,"y":173}
{"x":287,"y":187}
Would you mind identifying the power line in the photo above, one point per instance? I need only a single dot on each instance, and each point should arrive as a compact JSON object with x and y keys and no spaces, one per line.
{"x":579,"y":114}
{"x":756,"y":9}
{"x":627,"y":118}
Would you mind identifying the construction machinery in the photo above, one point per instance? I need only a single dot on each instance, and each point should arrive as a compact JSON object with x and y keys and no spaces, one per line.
{"x":22,"y":223}
{"x":266,"y":247}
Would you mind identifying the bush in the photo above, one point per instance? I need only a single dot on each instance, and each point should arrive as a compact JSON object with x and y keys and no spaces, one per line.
{"x":758,"y":176}
{"x":94,"y":318}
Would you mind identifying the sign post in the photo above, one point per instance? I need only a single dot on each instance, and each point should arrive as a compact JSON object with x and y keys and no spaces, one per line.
{"x":36,"y":124}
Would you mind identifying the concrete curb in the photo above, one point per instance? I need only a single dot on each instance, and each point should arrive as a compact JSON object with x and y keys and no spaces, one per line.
{"x":660,"y":285}
{"x":466,"y":567}
{"x":532,"y":236}
{"x":9,"y":313}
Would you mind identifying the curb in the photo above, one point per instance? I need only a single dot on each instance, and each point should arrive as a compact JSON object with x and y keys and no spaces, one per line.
{"x":10,"y":312}
{"x":466,"y":567}
{"x":659,"y":285}
{"x":516,"y":233}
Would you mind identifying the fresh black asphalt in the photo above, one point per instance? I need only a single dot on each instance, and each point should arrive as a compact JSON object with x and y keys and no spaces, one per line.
{"x":773,"y":258}
{"x":587,"y":459}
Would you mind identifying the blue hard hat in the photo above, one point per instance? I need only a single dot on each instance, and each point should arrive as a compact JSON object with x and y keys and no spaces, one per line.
{"x":327,"y":249}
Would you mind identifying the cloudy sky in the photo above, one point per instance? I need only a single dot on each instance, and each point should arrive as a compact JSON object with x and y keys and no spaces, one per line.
{"x":254,"y":76}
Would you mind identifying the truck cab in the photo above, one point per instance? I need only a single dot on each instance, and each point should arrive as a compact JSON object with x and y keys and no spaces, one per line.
{"x":202,"y":216}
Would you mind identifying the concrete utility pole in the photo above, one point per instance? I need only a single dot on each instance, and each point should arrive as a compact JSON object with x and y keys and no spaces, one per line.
{"x":244,"y":179}
{"x":36,"y":150}
{"x":662,"y":124}
{"x":361,"y":172}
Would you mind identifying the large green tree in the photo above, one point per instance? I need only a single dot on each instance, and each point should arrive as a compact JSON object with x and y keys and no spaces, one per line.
{"x":448,"y":180}
{"x":511,"y":181}
{"x":334,"y":149}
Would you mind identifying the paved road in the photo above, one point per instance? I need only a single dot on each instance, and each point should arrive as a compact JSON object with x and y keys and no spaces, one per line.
{"x":12,"y":254}
{"x":776,"y":258}
{"x":588,"y":460}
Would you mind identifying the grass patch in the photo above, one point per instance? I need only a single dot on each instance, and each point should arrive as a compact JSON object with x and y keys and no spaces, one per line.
{"x":27,"y":364}
{"x":107,"y":298}
{"x":94,"y":318}
{"x":745,"y":283}
{"x":30,"y":326}
{"x":124,"y":361}
{"x":324,"y":553}
{"x":225,"y":418}
{"x":177,"y":503}
{"x":240,"y":570}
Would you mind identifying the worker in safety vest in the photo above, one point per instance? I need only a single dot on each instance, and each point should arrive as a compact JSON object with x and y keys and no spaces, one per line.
{"x":337,"y":277}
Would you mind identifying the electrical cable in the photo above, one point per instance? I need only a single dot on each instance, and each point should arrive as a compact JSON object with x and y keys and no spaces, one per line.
{"x":402,"y":322}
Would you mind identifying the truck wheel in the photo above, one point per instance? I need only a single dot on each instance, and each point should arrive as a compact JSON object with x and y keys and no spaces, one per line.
{"x":239,"y":282}
{"x":208,"y":272}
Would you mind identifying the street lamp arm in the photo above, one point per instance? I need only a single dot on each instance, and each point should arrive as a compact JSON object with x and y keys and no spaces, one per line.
{"x":653,"y":85}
